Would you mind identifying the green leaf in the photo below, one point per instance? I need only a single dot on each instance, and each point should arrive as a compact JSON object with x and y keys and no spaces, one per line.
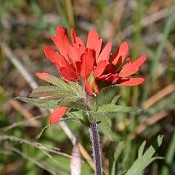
{"x":115,"y":99}
{"x":58,"y":97}
{"x":105,"y":126}
{"x":144,"y":159}
{"x":110,"y":108}
{"x":141,"y":149}
{"x":53,"y":80}
{"x":78,"y":117}
{"x":107,"y":95}
{"x":66,"y":94}
{"x":74,"y":103}
{"x":116,"y":157}
{"x":37,"y":102}
{"x":169,"y":158}
{"x":43,"y":91}
{"x":76,"y":88}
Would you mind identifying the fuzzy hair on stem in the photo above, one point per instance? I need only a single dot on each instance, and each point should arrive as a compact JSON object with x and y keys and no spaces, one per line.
{"x":96,"y":148}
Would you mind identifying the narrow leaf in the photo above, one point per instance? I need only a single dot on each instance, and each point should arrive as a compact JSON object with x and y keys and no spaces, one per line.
{"x":76,"y":88}
{"x":116,"y":108}
{"x":116,"y":157}
{"x":53,"y":80}
{"x":141,"y":149}
{"x":144,"y":160}
{"x":73,"y":102}
{"x":115,"y":99}
{"x":105,"y":127}
{"x":42,"y":91}
{"x":36,"y":101}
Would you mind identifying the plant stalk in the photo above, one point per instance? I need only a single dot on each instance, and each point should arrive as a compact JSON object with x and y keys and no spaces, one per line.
{"x":96,"y":147}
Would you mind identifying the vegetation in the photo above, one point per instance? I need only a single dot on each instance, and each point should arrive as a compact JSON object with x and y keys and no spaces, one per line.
{"x":30,"y":146}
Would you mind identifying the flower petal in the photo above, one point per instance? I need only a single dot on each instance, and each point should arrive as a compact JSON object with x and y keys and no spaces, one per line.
{"x":100,"y":68}
{"x":78,"y":45}
{"x":132,"y":68}
{"x":103,"y":77}
{"x":130,"y":81}
{"x":62,"y":41}
{"x":105,"y":53}
{"x":120,"y":54}
{"x":75,"y":39}
{"x":57,"y":59}
{"x":73,"y":36}
{"x":69,"y":73}
{"x":112,"y":78}
{"x":57,"y":114}
{"x":87,"y":62}
{"x":94,"y":42}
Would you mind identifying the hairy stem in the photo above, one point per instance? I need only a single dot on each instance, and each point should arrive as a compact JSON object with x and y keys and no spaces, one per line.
{"x":96,"y":148}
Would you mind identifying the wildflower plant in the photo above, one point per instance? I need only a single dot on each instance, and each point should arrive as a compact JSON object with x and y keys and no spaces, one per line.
{"x":87,"y":71}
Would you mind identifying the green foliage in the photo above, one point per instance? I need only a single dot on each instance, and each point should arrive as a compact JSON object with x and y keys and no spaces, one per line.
{"x":117,"y":153}
{"x":105,"y":126}
{"x":60,"y":94}
{"x":111,"y":108}
{"x":70,"y":94}
{"x":36,"y":101}
{"x":169,"y":156}
{"x":55,"y":81}
{"x":26,"y":26}
{"x":144,"y":159}
{"x":107,"y":95}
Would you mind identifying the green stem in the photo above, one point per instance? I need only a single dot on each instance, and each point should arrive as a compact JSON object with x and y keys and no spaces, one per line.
{"x":96,"y":147}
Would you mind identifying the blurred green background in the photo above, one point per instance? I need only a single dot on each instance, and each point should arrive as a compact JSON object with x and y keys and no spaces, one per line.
{"x":27,"y":25}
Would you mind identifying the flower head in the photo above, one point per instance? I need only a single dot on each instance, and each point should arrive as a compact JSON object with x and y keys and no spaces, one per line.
{"x":90,"y":63}
{"x":117,"y":73}
{"x":75,"y":60}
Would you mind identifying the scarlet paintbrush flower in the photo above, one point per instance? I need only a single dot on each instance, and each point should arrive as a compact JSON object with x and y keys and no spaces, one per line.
{"x":90,"y":64}
{"x":76,"y":61}
{"x":117,"y":74}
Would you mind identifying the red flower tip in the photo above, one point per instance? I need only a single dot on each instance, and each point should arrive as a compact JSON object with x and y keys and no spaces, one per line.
{"x":105,"y":53}
{"x":120,"y":54}
{"x":42,"y":75}
{"x":52,"y":55}
{"x":131,"y":68}
{"x":57,"y":114}
{"x":100,"y":68}
{"x":94,"y":42}
{"x":130,"y":81}
{"x":87,"y":62}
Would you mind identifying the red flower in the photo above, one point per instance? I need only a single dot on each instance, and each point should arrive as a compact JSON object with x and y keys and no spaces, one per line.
{"x":76,"y":61}
{"x":116,"y":74}
{"x":91,"y":63}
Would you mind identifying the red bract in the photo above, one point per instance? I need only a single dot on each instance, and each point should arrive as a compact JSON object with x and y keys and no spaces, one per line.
{"x":91,"y":63}
{"x":57,"y":114}
{"x":76,"y":61}
{"x":115,"y":73}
